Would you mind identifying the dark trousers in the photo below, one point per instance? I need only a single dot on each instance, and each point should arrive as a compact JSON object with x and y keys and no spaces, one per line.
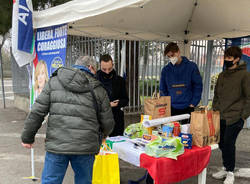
{"x":228,"y":136}
{"x":119,"y":122}
{"x":187,"y":110}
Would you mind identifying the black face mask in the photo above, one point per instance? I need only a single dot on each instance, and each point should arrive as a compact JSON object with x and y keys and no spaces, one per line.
{"x":107,"y":76}
{"x":228,"y":64}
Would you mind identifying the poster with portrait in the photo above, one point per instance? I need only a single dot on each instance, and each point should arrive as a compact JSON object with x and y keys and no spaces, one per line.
{"x":50,"y":44}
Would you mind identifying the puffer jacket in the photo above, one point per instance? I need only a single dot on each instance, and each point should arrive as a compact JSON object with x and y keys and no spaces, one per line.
{"x":232,"y":94}
{"x":72,"y":126}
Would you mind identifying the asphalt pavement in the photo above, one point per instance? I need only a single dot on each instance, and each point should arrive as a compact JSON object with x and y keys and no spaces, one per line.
{"x":15,"y":160}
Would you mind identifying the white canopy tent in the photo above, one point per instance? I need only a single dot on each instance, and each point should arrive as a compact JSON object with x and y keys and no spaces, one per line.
{"x":164,"y":20}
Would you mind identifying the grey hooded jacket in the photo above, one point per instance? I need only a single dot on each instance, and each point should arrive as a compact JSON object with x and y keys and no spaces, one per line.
{"x":72,"y":126}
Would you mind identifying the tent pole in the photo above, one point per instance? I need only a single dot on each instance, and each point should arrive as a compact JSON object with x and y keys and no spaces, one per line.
{"x":207,"y":71}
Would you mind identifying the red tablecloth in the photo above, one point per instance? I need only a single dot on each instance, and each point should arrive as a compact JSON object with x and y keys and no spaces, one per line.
{"x":166,"y":170}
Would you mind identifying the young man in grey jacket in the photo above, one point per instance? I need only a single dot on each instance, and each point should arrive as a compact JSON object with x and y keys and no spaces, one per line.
{"x":71,"y":97}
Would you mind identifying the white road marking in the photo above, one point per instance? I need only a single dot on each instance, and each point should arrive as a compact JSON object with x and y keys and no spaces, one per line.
{"x":10,"y":156}
{"x":17,"y":135}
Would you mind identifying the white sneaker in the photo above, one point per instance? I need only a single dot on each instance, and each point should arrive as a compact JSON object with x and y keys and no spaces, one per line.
{"x":230,"y":178}
{"x":220,"y":174}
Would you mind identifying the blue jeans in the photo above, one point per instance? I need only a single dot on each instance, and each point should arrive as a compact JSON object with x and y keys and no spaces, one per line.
{"x":55,"y":167}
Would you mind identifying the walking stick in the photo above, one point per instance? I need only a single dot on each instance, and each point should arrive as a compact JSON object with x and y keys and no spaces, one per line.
{"x":32,"y":177}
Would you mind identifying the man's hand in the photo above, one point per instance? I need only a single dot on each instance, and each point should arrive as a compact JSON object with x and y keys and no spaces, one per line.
{"x":191,"y":105}
{"x":29,"y":146}
{"x":114,"y":103}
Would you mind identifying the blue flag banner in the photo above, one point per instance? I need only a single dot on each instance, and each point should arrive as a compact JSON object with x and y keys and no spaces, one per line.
{"x":51,"y":43}
{"x":22,"y":36}
{"x":25,"y":26}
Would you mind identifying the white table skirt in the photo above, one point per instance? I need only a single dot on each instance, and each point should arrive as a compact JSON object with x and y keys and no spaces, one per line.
{"x":127,"y":152}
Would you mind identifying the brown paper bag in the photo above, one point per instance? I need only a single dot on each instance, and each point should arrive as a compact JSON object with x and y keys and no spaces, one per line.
{"x":157,"y":107}
{"x":205,"y":127}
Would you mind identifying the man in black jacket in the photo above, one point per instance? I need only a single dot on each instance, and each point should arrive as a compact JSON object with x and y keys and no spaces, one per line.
{"x":116,"y":89}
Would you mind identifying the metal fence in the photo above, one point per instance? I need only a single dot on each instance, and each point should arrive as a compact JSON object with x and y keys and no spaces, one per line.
{"x":208,"y":55}
{"x":20,"y":78}
{"x":145,"y":60}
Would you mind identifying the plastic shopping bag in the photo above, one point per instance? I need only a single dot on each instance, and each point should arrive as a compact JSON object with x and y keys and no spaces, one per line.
{"x":106,"y":167}
{"x":135,"y":131}
{"x":170,"y":148}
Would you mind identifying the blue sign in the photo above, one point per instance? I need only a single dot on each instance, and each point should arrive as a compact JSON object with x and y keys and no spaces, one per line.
{"x":51,"y":44}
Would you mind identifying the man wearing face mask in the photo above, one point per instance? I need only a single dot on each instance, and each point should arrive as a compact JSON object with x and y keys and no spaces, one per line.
{"x":181,"y":80}
{"x":116,"y":89}
{"x":232,"y":99}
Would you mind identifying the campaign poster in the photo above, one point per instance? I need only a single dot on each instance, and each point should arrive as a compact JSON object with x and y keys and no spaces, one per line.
{"x":50,"y":44}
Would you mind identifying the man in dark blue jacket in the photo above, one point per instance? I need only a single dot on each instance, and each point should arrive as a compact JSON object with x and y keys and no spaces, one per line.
{"x":181,"y":80}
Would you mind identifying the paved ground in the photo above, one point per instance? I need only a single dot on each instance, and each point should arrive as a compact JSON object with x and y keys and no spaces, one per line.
{"x":9,"y":95}
{"x":15,"y":160}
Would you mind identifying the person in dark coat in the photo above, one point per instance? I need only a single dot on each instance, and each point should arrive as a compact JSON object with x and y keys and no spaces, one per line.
{"x":232,"y":99}
{"x":115,"y":86}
